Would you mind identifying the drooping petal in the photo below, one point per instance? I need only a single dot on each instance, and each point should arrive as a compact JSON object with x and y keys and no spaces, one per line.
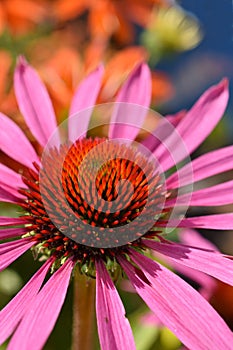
{"x":207,"y":283}
{"x":127,"y":118}
{"x":192,"y":237}
{"x":207,"y":165}
{"x":7,"y":195}
{"x":196,"y":126}
{"x":7,"y":221}
{"x":179,"y":307}
{"x":11,"y":255}
{"x":10,"y":133}
{"x":83,"y":101}
{"x":113,"y":327}
{"x":34,"y":103}
{"x":195,"y":239}
{"x":213,"y":222}
{"x":8,"y":246}
{"x":13,"y":312}
{"x":12,"y":232}
{"x":9,"y":178}
{"x":41,"y":317}
{"x":211,"y":196}
{"x":196,"y":258}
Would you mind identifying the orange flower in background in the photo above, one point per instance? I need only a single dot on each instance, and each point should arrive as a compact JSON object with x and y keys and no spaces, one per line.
{"x":20,"y":16}
{"x":162,"y":88}
{"x":61,"y":74}
{"x":108,"y":17}
{"x":65,"y":56}
{"x":65,"y":69}
{"x":120,"y":66}
{"x":7,"y":99}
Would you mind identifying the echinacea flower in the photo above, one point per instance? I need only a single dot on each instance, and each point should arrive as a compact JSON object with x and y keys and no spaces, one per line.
{"x":71,"y":220}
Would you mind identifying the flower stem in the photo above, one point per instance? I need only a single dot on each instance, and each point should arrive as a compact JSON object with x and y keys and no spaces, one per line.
{"x":83,"y":312}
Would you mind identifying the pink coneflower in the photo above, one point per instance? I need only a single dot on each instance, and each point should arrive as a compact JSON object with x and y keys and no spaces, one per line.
{"x":55,"y":228}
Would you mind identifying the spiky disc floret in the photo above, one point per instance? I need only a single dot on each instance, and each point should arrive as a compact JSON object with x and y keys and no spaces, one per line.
{"x":67,"y":201}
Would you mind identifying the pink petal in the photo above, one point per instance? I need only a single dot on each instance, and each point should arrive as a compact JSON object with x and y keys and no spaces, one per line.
{"x":197,"y":124}
{"x":83,"y":101}
{"x":150,"y":319}
{"x":34,"y":103}
{"x":13,"y":312}
{"x":113,"y":327}
{"x":207,"y":283}
{"x":12,"y":232}
{"x":41,"y":317}
{"x":128,"y":118}
{"x":10,"y":134}
{"x":10,"y":194}
{"x":193,"y":238}
{"x":6,"y":221}
{"x":211,"y":196}
{"x":11,"y":255}
{"x":7,"y":195}
{"x":179,"y":307}
{"x":8,"y":246}
{"x":214,"y":222}
{"x":10,"y":179}
{"x":9,"y":176}
{"x":196,"y":258}
{"x":207,"y":165}
{"x":163,"y":130}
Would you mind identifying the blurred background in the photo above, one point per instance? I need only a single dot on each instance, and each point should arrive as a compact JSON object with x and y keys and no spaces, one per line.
{"x":188,"y":45}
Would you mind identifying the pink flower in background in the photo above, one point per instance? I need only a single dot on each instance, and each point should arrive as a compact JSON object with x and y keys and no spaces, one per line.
{"x":31,"y":315}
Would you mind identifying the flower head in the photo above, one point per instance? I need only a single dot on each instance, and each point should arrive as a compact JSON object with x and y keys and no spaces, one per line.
{"x":100,"y":204}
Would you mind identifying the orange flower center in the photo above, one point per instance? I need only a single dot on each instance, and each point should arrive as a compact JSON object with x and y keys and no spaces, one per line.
{"x":93,"y":197}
